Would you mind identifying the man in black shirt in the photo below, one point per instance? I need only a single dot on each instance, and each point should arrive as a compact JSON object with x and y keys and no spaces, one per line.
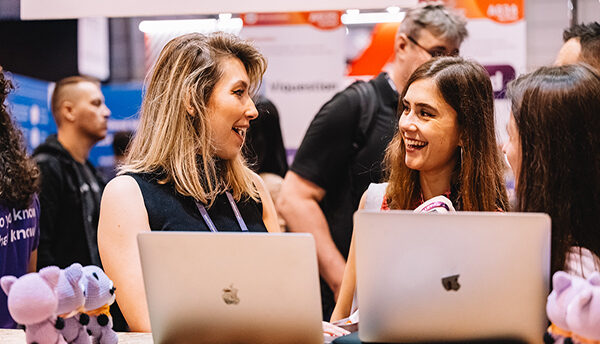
{"x":331,"y":169}
{"x":71,"y":188}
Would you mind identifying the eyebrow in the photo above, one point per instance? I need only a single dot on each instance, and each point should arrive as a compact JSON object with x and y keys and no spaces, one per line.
{"x":439,"y":47}
{"x":242,"y":82}
{"x":421,"y":105}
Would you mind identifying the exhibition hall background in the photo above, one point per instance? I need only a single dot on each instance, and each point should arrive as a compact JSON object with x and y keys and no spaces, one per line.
{"x":311,"y":54}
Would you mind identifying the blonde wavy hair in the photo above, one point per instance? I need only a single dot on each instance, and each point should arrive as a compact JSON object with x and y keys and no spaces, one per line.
{"x":173,"y":139}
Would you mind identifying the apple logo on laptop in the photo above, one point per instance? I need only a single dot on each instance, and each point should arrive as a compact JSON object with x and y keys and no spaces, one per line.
{"x":451,"y":283}
{"x":230,"y":295}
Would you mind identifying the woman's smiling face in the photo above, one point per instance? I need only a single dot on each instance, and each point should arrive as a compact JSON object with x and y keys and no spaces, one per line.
{"x":230,"y":109}
{"x":429,"y":128}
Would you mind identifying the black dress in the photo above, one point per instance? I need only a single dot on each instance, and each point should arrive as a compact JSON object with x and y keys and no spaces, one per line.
{"x":170,"y":211}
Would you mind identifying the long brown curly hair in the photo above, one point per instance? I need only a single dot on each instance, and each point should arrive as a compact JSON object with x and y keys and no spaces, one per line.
{"x":477,"y":182}
{"x":18,"y":172}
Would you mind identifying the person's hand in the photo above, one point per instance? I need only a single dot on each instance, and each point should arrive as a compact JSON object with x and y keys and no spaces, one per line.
{"x":333,"y":331}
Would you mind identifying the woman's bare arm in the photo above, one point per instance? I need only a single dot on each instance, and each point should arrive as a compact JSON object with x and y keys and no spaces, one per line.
{"x":122,"y":216}
{"x":343,"y":305}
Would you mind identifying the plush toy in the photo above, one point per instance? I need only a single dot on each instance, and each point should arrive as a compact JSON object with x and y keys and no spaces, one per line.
{"x":32,"y":302}
{"x":566,"y":288}
{"x":583,"y":313}
{"x":573,"y":307}
{"x":100,"y":294}
{"x":71,"y":299}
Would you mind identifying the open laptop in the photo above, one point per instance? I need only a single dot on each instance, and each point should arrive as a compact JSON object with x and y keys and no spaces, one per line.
{"x":231,"y":287}
{"x":451,"y":277}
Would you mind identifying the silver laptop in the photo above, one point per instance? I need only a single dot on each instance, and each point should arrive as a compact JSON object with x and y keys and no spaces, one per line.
{"x":454,"y":276}
{"x":231,"y":287}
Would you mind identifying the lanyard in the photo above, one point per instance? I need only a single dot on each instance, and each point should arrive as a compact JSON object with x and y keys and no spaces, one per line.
{"x":234,"y":207}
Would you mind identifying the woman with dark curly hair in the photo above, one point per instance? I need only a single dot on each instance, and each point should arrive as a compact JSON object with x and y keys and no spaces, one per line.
{"x":19,"y":205}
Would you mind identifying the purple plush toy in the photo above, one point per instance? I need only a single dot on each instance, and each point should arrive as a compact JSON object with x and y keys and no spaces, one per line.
{"x":583,"y":314}
{"x":573,"y":307}
{"x":100,"y":294}
{"x":71,"y":299}
{"x":32,"y":302}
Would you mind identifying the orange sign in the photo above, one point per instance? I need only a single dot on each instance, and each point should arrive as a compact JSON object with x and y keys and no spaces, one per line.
{"x":501,"y":11}
{"x":325,"y":20}
{"x":378,"y":53}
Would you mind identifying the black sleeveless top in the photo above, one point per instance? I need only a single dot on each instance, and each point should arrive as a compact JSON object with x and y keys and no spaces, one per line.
{"x":170,"y":211}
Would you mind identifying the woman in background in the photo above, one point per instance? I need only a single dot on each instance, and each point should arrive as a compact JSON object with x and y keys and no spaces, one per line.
{"x":445,"y":145}
{"x":18,"y":187}
{"x":554,"y":152}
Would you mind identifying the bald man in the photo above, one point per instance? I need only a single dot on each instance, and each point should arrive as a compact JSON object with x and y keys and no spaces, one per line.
{"x":581,"y":44}
{"x":71,"y":188}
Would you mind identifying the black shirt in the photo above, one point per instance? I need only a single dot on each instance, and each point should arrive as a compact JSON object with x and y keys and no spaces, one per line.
{"x":69,"y":207}
{"x":326,"y":156}
{"x":169,"y":211}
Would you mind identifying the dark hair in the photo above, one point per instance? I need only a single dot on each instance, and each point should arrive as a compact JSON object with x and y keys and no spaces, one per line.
{"x":58,"y":94}
{"x":478,"y":180}
{"x":18,"y":173}
{"x":121,"y":140}
{"x":264,"y":142}
{"x":556,"y":113}
{"x":589,"y":39}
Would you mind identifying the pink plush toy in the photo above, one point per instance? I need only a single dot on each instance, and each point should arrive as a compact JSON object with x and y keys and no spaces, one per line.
{"x":573,"y":307}
{"x":100,"y":294}
{"x":32,"y":302}
{"x":566,"y":287}
{"x":583,"y":313}
{"x":71,"y":299}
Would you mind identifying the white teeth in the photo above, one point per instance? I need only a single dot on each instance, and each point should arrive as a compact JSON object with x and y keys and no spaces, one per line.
{"x":417,"y":143}
{"x":240,"y":131}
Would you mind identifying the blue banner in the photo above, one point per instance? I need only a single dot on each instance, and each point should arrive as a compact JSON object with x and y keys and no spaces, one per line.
{"x":29,"y":105}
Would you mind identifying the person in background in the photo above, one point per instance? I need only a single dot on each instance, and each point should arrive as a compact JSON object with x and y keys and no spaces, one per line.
{"x":184,"y":170}
{"x":70,"y":185}
{"x":19,"y":205}
{"x":121,"y":140}
{"x":264,"y":142}
{"x":554,"y":152}
{"x":330,"y":171}
{"x":265,"y":150}
{"x":445,"y":145}
{"x":581,"y":44}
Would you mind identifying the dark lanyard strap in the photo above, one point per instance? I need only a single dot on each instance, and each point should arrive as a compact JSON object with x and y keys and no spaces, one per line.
{"x":234,"y":207}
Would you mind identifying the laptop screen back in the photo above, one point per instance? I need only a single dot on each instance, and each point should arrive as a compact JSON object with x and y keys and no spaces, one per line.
{"x":455,"y":276}
{"x":231,"y":287}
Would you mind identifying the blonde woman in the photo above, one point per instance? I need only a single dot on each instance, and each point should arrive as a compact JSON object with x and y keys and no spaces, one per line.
{"x":184,"y":170}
